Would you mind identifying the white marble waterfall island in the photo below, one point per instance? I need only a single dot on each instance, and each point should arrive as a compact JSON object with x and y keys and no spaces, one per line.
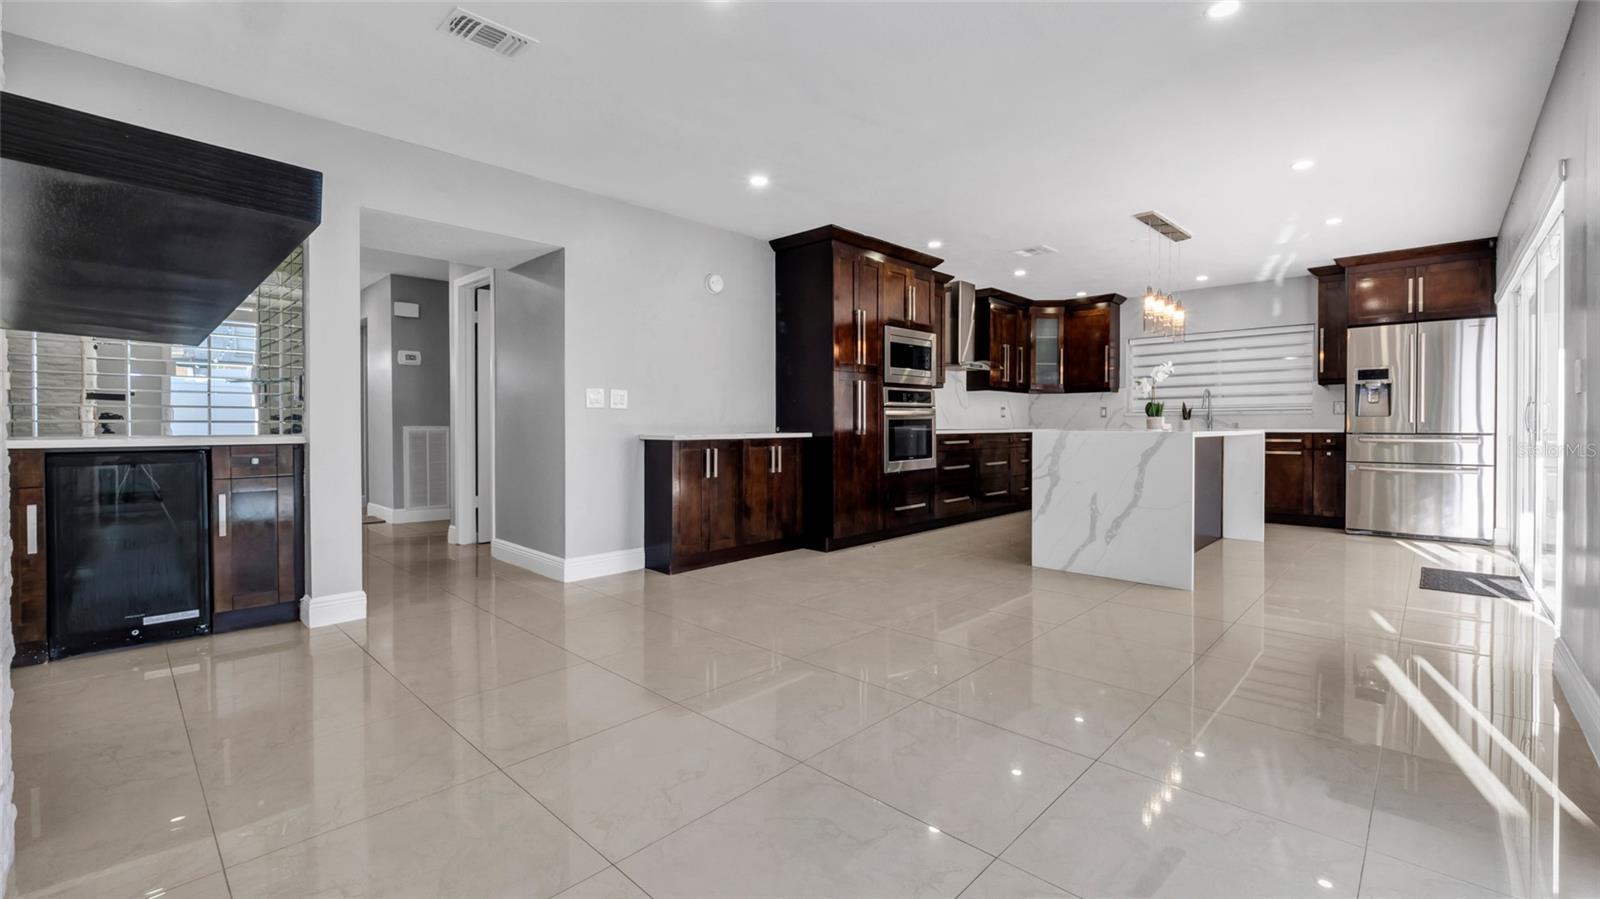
{"x":1136,"y":505}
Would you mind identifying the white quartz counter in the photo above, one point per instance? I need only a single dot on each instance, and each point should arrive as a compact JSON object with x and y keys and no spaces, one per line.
{"x":765,"y":435}
{"x":116,"y":443}
{"x":1122,"y":504}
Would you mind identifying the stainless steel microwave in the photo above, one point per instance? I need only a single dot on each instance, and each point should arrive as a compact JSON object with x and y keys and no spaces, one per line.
{"x":910,"y":357}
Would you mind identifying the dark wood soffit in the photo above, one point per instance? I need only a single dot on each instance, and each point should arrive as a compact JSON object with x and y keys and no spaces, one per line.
{"x":1459,"y":248}
{"x":855,"y":239}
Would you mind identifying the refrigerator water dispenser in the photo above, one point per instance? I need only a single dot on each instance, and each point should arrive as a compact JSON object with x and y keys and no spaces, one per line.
{"x":1373,"y":387}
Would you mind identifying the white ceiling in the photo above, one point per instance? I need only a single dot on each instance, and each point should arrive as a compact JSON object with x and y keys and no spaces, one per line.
{"x":989,"y":126}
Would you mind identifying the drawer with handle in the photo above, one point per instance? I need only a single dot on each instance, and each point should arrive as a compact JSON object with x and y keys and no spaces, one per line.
{"x":954,"y":502}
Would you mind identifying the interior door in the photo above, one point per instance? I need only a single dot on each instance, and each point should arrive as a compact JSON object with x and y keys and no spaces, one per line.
{"x":1455,"y":368}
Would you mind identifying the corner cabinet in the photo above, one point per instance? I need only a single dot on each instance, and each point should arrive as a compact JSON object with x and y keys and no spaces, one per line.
{"x":1333,"y":313}
{"x":713,"y":501}
{"x":1048,"y":346}
{"x":1091,"y":342}
{"x":1445,"y":281}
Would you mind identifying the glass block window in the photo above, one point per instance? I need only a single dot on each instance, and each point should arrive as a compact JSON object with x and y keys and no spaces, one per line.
{"x":245,"y":379}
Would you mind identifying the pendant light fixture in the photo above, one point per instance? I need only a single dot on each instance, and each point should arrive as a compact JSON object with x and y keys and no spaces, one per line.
{"x":1163,"y":314}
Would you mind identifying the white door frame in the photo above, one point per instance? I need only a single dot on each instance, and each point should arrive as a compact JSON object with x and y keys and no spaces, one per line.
{"x":472,"y":436}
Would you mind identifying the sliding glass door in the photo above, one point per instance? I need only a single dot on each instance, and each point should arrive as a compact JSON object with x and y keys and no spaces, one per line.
{"x":1534,"y":314}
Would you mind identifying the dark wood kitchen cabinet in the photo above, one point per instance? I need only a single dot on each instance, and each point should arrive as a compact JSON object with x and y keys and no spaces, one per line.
{"x":1305,"y":479}
{"x":714,"y":501}
{"x":1049,"y":353}
{"x":836,"y":291}
{"x":1421,"y":284}
{"x":28,"y":559}
{"x":1333,"y":312}
{"x":1091,"y":342}
{"x":255,"y":527}
{"x":1001,"y":328}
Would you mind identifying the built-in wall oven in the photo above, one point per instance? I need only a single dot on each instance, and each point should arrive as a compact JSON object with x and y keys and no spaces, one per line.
{"x":908,"y":429}
{"x":909,"y":357}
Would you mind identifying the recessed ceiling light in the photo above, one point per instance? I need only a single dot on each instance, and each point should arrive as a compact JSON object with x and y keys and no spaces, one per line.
{"x":1222,"y":9}
{"x":759,"y":180}
{"x":1016,"y":772}
{"x":1199,"y":753}
{"x":1202,"y":277}
{"x":1020,"y":273}
{"x":1334,"y":221}
{"x":935,"y":244}
{"x":1303,"y":165}
{"x":1082,"y":293}
{"x":932,"y":829}
{"x":1325,"y":883}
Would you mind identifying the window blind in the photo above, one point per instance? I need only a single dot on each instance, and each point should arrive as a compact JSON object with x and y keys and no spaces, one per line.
{"x":1247,"y":369}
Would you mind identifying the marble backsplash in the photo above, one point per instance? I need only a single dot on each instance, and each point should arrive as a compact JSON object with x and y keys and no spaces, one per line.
{"x":958,"y":407}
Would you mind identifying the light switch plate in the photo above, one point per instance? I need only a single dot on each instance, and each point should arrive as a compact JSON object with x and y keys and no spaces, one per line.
{"x":619,"y":398}
{"x":1102,"y":411}
{"x":408,"y":357}
{"x":594,"y":397}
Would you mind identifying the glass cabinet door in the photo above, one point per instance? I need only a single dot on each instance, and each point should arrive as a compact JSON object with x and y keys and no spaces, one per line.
{"x":1046,"y":350}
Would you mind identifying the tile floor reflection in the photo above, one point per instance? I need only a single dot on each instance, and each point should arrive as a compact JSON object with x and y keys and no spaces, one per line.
{"x":923,"y":717}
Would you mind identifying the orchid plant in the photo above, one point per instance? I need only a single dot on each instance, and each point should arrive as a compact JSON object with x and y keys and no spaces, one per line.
{"x":1145,"y":388}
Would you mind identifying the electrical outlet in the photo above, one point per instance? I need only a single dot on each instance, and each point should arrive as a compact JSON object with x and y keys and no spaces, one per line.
{"x":1103,"y":412}
{"x":619,"y":398}
{"x":594,"y":397}
{"x":1338,"y":407}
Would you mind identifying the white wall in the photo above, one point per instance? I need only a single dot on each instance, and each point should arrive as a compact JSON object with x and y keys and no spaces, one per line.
{"x":1569,"y":129}
{"x":1257,"y":305}
{"x":637,"y":313}
{"x":530,"y":432}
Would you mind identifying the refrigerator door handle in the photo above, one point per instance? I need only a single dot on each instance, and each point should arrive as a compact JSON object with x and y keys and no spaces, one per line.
{"x":1422,"y":373}
{"x":1417,"y":469}
{"x":1388,"y":439}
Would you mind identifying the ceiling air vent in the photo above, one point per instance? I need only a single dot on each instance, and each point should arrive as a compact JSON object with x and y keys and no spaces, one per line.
{"x":1040,"y":250}
{"x":471,"y":27}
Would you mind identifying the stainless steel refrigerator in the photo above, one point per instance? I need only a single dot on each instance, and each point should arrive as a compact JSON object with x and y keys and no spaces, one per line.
{"x":1419,"y":417}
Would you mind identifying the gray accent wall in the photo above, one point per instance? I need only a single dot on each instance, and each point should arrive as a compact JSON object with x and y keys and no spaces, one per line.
{"x":1569,"y":129}
{"x":530,"y":430}
{"x":380,"y":393}
{"x":399,"y":396}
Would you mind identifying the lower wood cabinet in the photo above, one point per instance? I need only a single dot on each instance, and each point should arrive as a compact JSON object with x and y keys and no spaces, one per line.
{"x":1305,"y":479}
{"x":712,"y":501}
{"x":256,"y":527}
{"x":28,"y":560}
{"x":981,"y":474}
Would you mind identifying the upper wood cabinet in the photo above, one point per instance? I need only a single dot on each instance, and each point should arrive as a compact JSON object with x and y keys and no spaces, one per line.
{"x":1049,"y":354}
{"x":1002,"y":332}
{"x":1091,"y":341}
{"x":1333,"y":312}
{"x":1421,"y":284}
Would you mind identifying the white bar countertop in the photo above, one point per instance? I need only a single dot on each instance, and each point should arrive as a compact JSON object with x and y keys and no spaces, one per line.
{"x":1121,"y":504}
{"x":116,"y":443}
{"x":763,"y":435}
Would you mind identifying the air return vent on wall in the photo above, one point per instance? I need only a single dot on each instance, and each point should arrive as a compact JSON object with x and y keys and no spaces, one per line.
{"x":472,"y":27}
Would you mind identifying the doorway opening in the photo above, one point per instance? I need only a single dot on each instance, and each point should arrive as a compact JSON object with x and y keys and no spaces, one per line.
{"x":472,"y":406}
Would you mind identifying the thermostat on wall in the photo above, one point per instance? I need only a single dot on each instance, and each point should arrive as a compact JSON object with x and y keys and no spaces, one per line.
{"x":407,"y":310}
{"x":409,"y":357}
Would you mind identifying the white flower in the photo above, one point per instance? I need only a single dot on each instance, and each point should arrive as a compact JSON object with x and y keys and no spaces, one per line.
{"x":1162,"y":372}
{"x":1143,"y":388}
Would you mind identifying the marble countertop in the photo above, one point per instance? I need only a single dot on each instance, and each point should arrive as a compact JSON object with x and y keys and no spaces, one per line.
{"x":116,"y":443}
{"x":763,"y":435}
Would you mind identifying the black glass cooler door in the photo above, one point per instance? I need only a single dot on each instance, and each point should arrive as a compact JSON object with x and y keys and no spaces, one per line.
{"x":129,"y":558}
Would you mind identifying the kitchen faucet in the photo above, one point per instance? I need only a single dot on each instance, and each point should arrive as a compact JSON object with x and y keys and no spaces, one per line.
{"x":1205,"y":404}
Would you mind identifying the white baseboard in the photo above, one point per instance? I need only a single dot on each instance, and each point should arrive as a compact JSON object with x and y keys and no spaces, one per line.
{"x":577,"y":568}
{"x":335,"y":608}
{"x":1581,"y":695}
{"x":450,"y":535}
{"x":408,"y":516}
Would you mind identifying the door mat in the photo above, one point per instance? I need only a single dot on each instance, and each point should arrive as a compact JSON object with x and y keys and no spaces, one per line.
{"x":1474,"y":582}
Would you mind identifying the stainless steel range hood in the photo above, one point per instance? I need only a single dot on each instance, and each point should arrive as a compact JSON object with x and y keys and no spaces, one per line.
{"x":111,"y":230}
{"x":960,"y":328}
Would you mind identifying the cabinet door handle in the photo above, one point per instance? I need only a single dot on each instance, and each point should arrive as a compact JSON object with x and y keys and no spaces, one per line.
{"x":716,"y":462}
{"x":995,"y":493}
{"x":1106,"y":351}
{"x":33,"y":529}
{"x":962,"y":467}
{"x":913,"y":287}
{"x":780,"y":458}
{"x":1283,"y":452}
{"x":772,"y":460}
{"x":993,"y":464}
{"x":706,"y":469}
{"x":1005,"y":366}
{"x":922,"y":505}
{"x":1321,"y":342}
{"x":957,"y":499}
{"x":956,"y":442}
{"x":1422,"y":291}
{"x":222,"y":515}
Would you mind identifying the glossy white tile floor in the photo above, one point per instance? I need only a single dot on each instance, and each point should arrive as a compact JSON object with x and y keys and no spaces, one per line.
{"x":924,"y":717}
